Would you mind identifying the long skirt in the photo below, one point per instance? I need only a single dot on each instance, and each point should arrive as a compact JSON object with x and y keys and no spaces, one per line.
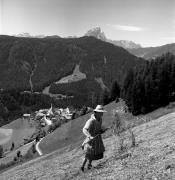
{"x":94,"y":149}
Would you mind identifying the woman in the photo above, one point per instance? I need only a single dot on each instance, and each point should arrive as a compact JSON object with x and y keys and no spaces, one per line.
{"x":93,"y":144}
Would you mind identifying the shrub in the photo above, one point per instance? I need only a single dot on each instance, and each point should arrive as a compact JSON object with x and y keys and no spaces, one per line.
{"x":133,"y":141}
{"x":18,"y":154}
{"x":15,"y":158}
{"x":117,"y":128}
{"x":1,"y":151}
{"x":118,"y":125}
{"x":12,"y":146}
{"x":33,"y":149}
{"x":57,"y":124}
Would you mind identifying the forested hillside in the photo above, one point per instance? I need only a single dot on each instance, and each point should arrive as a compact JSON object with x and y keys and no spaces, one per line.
{"x":151,"y":85}
{"x":26,"y":61}
{"x":34,"y":63}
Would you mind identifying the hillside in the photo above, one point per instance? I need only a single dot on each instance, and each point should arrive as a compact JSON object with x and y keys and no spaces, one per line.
{"x":152,"y":158}
{"x":153,"y":52}
{"x":32,"y":62}
{"x":21,"y":129}
{"x":38,"y":64}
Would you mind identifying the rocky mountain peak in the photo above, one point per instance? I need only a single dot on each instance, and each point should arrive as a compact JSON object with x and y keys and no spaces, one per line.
{"x":97,"y":33}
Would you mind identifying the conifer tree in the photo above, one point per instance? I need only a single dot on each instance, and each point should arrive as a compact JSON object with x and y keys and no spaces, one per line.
{"x":115,"y":91}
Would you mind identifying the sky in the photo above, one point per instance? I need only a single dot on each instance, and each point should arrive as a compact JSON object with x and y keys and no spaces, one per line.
{"x":147,"y":22}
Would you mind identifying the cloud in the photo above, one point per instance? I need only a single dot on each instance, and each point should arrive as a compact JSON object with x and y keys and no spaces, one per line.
{"x":125,"y":28}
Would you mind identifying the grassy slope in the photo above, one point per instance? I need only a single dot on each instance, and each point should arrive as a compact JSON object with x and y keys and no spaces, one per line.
{"x":155,"y":150}
{"x":21,"y":129}
{"x":5,"y":135}
{"x":71,"y":132}
{"x":8,"y":158}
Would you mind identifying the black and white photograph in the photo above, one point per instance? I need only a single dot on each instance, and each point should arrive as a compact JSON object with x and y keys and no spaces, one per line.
{"x":87,"y":89}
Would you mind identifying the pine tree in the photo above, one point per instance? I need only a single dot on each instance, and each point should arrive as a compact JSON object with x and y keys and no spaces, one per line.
{"x":105,"y":97}
{"x":115,"y":91}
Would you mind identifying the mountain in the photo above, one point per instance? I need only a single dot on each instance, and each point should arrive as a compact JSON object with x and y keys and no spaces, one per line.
{"x":86,"y":64}
{"x":153,"y":52}
{"x":97,"y":33}
{"x":23,"y":35}
{"x":125,"y":44}
{"x":27,"y":35}
{"x":50,"y":37}
{"x":49,"y":59}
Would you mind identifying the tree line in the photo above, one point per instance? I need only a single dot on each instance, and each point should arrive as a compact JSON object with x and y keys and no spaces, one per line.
{"x":150,"y":85}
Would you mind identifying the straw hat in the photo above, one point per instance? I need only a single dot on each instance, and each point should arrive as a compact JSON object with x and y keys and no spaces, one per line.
{"x":99,"y":108}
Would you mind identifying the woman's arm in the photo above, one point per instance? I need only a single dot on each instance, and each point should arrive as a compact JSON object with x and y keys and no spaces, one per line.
{"x":86,"y":133}
{"x":86,"y":128}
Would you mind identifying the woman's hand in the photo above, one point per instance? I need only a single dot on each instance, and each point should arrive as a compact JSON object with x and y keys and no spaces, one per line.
{"x":90,"y":137}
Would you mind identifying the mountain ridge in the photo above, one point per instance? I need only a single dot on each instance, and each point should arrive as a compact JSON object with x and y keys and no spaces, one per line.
{"x":35,"y":63}
{"x":97,"y":33}
{"x":153,"y":52}
{"x":132,"y":47}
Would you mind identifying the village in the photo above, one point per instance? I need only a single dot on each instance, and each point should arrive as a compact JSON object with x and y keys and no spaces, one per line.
{"x":43,"y":122}
{"x":49,"y":116}
{"x":47,"y":120}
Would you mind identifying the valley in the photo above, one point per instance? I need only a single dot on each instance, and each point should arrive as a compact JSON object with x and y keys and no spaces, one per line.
{"x":154,"y":139}
{"x":78,"y":73}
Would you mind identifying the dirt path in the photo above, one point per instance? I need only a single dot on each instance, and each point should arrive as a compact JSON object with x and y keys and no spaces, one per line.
{"x":38,"y":149}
